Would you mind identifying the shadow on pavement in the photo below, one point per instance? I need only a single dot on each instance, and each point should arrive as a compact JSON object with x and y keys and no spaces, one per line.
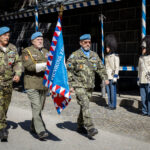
{"x":26,"y":126}
{"x":128,"y":105}
{"x":11,"y":125}
{"x":67,"y":125}
{"x":70,"y":126}
{"x":99,"y":101}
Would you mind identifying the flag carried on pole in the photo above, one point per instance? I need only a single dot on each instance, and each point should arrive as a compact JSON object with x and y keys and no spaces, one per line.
{"x":55,"y":76}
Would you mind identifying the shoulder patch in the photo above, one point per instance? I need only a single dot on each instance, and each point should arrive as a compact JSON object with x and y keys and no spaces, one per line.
{"x":94,"y":58}
{"x":12,"y":47}
{"x":11,"y":52}
{"x":69,"y":65}
{"x":26,"y":57}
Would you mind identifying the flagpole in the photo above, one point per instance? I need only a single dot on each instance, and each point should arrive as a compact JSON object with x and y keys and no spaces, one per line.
{"x":36,"y":16}
{"x":61,"y":9}
{"x":101,"y":19}
{"x":58,"y":71}
{"x":143,"y":18}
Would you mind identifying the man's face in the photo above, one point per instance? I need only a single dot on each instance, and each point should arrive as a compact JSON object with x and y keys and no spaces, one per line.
{"x":4,"y":39}
{"x":86,"y":44}
{"x":144,"y":51}
{"x":107,"y":49}
{"x":38,"y":42}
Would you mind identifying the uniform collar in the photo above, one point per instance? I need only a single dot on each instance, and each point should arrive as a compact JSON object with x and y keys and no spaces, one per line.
{"x":36,"y":48}
{"x":111,"y":53}
{"x":4,"y":49}
{"x":83,"y":54}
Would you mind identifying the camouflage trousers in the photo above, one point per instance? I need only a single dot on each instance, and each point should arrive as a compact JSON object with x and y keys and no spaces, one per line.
{"x":5,"y":98}
{"x":83,"y":97}
{"x":37,"y":99}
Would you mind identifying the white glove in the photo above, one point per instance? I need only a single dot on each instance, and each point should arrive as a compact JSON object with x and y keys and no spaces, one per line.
{"x":40,"y":67}
{"x":138,"y":83}
{"x":114,"y":80}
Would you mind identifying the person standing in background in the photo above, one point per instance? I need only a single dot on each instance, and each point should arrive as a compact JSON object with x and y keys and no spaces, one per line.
{"x":144,"y":75}
{"x":112,"y":64}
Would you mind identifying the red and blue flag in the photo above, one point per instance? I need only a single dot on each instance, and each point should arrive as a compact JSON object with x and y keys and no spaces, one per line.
{"x":55,"y":77}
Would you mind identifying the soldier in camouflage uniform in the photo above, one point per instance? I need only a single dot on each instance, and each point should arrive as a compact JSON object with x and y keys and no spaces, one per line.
{"x":82,"y":65}
{"x":34,"y":62}
{"x":10,"y":70}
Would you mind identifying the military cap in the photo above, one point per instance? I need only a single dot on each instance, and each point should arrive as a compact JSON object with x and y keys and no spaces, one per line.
{"x":36,"y":34}
{"x":4,"y":30}
{"x":85,"y":37}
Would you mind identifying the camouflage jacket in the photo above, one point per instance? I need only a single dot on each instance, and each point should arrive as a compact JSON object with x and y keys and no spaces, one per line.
{"x":10,"y":65}
{"x":81,"y":70}
{"x":32,"y":79}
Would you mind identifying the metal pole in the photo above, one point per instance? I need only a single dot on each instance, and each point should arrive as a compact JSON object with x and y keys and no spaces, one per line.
{"x":102,"y":35}
{"x":36,"y":17}
{"x":143,"y":18}
{"x":101,"y":18}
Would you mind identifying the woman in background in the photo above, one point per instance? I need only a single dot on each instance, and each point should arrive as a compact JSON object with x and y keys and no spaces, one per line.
{"x":144,"y":76}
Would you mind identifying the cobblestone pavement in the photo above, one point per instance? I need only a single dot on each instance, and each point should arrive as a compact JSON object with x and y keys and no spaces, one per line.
{"x":125,"y":120}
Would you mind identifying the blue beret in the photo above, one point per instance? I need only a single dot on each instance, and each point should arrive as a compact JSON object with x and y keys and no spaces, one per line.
{"x":4,"y":30}
{"x":85,"y":37}
{"x":36,"y":34}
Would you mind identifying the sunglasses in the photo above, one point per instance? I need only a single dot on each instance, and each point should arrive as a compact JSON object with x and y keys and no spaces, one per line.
{"x":87,"y":42}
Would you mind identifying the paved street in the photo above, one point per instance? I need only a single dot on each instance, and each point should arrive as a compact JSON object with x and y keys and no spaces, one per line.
{"x":122,"y":129}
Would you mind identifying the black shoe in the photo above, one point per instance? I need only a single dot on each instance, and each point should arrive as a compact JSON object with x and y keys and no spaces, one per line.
{"x":42,"y":135}
{"x":81,"y":130}
{"x":92,"y":132}
{"x":107,"y":107}
{"x":142,"y":114}
{"x":112,"y":108}
{"x":5,"y":132}
{"x":1,"y":134}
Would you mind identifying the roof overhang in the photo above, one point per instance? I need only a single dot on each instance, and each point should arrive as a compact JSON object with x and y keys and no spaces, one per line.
{"x":52,"y":7}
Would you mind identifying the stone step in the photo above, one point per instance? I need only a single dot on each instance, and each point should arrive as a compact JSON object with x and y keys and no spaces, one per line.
{"x":123,"y":100}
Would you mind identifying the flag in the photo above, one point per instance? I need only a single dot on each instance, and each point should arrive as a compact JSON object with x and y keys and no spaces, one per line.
{"x":55,"y":77}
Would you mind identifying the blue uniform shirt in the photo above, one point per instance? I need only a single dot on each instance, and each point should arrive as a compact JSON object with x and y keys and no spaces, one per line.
{"x":86,"y":53}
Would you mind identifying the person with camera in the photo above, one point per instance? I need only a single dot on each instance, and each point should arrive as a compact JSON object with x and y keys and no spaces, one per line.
{"x":144,"y":76}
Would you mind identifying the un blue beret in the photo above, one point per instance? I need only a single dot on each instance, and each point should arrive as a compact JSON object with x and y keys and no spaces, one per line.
{"x":36,"y":34}
{"x":4,"y":30}
{"x":85,"y":37}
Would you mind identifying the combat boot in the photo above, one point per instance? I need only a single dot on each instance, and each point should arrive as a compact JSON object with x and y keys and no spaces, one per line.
{"x":1,"y":134}
{"x":42,"y":135}
{"x":82,"y":130}
{"x":5,"y":135}
{"x":92,"y":132}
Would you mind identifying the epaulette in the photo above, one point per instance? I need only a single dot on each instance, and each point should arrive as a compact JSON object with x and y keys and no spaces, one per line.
{"x":12,"y":46}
